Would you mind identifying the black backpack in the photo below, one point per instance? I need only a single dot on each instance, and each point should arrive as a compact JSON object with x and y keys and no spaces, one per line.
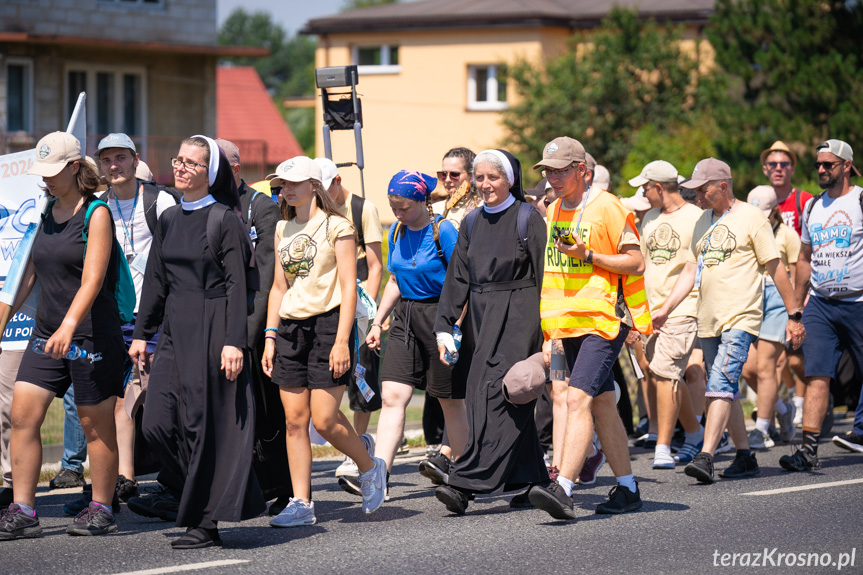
{"x":524,"y":211}
{"x":357,"y":217}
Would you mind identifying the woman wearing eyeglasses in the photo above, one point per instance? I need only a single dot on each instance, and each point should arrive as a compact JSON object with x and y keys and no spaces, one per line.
{"x":199,"y":417}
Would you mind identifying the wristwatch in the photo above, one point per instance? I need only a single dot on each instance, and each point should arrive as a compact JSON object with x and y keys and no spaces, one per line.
{"x":588,"y":259}
{"x":796,"y":316}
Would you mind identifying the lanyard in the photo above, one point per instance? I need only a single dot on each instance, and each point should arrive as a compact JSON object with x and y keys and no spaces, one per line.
{"x":713,"y":227}
{"x":249,"y":217}
{"x":581,"y":213}
{"x":129,"y":235}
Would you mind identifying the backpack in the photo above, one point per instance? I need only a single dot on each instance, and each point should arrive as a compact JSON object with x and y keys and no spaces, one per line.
{"x":395,"y":235}
{"x":811,"y":205}
{"x":524,"y":211}
{"x":357,"y":216}
{"x":124,"y":289}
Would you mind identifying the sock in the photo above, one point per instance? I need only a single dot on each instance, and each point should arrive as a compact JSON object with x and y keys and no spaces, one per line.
{"x":780,"y":408}
{"x":662,"y":450}
{"x":762,"y":424}
{"x":592,"y":450}
{"x":627,"y":481}
{"x":744,"y":453}
{"x":810,"y":440}
{"x":107,"y":509}
{"x":29,"y":511}
{"x":566,"y":484}
{"x":696,"y":437}
{"x":798,"y":402}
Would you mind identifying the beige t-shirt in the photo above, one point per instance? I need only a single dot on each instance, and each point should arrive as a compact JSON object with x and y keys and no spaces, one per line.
{"x":788,"y":243}
{"x":741,"y":243}
{"x":665,"y":241}
{"x":307,"y":254}
{"x":371,"y":221}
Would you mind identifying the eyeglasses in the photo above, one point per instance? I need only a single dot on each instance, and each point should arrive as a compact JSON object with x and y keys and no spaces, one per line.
{"x":187,"y":164}
{"x":452,"y":175}
{"x":827,"y":165}
{"x":783,"y":165}
{"x":550,"y":172}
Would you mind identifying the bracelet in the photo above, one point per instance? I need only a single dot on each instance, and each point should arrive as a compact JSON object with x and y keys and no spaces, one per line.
{"x":271,"y":329}
{"x":377,"y":325}
{"x":268,"y":336}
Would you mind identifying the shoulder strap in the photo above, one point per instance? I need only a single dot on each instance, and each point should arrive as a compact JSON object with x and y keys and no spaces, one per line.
{"x":214,"y":230}
{"x":249,"y":219}
{"x":151,"y":197}
{"x":524,"y":213}
{"x":440,"y":254}
{"x":48,"y":208}
{"x":797,"y":202}
{"x":357,"y":217}
{"x":93,"y":205}
{"x":809,"y":208}
{"x":469,"y":221}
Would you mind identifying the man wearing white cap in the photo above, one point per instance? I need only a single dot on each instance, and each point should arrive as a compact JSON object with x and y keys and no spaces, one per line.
{"x":731,"y":246}
{"x":666,"y":232}
{"x":831,"y":270}
{"x":364,"y":216}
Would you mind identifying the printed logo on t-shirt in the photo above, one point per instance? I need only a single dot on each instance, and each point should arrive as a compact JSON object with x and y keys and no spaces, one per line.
{"x":722,"y":244}
{"x":837,"y":229}
{"x":556,"y":261}
{"x":663,"y":244}
{"x":790,"y":219}
{"x":297,"y":258}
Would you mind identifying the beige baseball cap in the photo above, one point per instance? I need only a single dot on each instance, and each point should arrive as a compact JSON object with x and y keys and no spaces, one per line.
{"x":657,"y":171}
{"x":707,"y":170}
{"x":232,"y":152}
{"x":143,"y":172}
{"x":525,"y":380}
{"x":637,"y":202}
{"x":297,"y":169}
{"x":560,"y":153}
{"x":589,"y":161}
{"x":763,"y":198}
{"x":54,"y":152}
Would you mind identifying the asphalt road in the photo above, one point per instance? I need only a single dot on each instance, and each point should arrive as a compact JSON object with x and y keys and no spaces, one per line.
{"x":683,"y":528}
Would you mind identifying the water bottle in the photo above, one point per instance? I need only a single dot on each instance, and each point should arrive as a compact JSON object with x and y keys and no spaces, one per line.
{"x":558,"y":362}
{"x":451,"y":358}
{"x":74,"y":352}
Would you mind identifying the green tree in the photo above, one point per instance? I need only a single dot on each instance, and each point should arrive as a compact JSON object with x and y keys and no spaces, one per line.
{"x":611,"y":83}
{"x":796,"y":72}
{"x":356,"y":4}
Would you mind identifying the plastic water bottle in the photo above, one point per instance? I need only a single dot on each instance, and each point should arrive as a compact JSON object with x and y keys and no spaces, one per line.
{"x":74,"y":352}
{"x":451,"y":358}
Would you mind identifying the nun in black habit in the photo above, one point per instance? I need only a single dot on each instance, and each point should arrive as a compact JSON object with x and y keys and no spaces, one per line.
{"x":199,"y":415}
{"x":500,"y":279}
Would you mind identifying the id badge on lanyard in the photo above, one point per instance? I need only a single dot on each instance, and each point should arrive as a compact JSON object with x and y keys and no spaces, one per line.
{"x":698,"y":271}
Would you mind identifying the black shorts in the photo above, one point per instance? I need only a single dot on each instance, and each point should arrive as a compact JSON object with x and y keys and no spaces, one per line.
{"x":590,"y":359}
{"x":93,"y":382}
{"x":303,"y":352}
{"x":369,"y":359}
{"x":412,"y":355}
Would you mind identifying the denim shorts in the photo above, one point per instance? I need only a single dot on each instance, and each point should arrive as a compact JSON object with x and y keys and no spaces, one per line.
{"x":724,"y":357}
{"x":775,"y":316}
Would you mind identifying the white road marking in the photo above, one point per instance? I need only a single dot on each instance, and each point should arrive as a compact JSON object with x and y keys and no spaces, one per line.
{"x":188,"y":567}
{"x":805,"y":487}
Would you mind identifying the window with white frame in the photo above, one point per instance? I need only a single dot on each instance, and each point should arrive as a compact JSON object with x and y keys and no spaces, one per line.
{"x":486,"y":87}
{"x":379,"y":59}
{"x":116,"y":98}
{"x":19,"y":95}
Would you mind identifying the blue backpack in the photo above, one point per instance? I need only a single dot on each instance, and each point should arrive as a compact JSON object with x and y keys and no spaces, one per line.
{"x":124,"y":290}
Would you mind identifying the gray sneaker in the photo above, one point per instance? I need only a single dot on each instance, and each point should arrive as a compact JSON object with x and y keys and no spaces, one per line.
{"x":787,"y":429}
{"x":66,"y":479}
{"x":94,"y":520}
{"x":296,"y":514}
{"x":374,"y":484}
{"x":759,"y":440}
{"x":15,"y":524}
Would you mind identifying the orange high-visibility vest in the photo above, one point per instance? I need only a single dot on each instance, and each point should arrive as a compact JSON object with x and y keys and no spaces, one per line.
{"x":579,"y":298}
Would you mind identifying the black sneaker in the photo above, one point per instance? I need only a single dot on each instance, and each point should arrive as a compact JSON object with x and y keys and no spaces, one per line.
{"x":75,"y":507}
{"x":455,"y":500}
{"x":15,"y":524}
{"x":350,"y":485}
{"x":802,"y":460}
{"x":197,"y":538}
{"x":159,"y":503}
{"x":742,"y":466}
{"x":6,"y":498}
{"x":553,"y":500}
{"x":521,"y":501}
{"x":436,"y":469}
{"x":66,"y":479}
{"x":94,"y":520}
{"x":126,"y":489}
{"x":701,"y":468}
{"x":278,"y":505}
{"x":620,"y":500}
{"x":848,"y":440}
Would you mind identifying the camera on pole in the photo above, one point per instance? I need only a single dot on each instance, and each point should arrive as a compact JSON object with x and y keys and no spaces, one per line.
{"x":342,"y":110}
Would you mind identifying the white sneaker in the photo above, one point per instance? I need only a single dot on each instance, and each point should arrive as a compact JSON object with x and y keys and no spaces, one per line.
{"x":787,"y":429}
{"x":347,"y":469}
{"x":759,"y":440}
{"x":798,"y":417}
{"x":373,"y":484}
{"x":296,"y":514}
{"x":663,"y":461}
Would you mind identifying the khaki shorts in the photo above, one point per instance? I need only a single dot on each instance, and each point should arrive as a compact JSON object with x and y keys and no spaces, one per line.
{"x":668,"y":349}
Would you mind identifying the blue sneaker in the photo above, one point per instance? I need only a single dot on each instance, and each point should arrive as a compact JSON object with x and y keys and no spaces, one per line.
{"x":296,"y":514}
{"x":374,"y":484}
{"x":688,"y":452}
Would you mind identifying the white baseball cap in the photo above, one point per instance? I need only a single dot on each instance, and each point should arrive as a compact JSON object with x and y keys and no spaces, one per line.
{"x":329,"y":171}
{"x":297,"y":169}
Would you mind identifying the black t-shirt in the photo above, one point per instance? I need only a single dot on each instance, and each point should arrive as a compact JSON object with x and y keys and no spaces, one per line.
{"x":58,"y":255}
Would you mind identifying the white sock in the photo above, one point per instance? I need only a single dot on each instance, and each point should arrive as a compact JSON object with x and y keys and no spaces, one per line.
{"x":566,"y":484}
{"x":29,"y":511}
{"x":780,"y":407}
{"x":798,"y":402}
{"x":762,"y":424}
{"x":627,"y":481}
{"x":696,"y":437}
{"x":662,"y":450}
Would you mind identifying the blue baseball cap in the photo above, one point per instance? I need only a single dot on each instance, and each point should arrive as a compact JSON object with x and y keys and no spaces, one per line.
{"x":118,"y":140}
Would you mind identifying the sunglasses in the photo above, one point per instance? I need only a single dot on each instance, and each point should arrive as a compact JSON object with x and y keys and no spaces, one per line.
{"x":452,"y":175}
{"x":827,"y":165}
{"x":774,"y":165}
